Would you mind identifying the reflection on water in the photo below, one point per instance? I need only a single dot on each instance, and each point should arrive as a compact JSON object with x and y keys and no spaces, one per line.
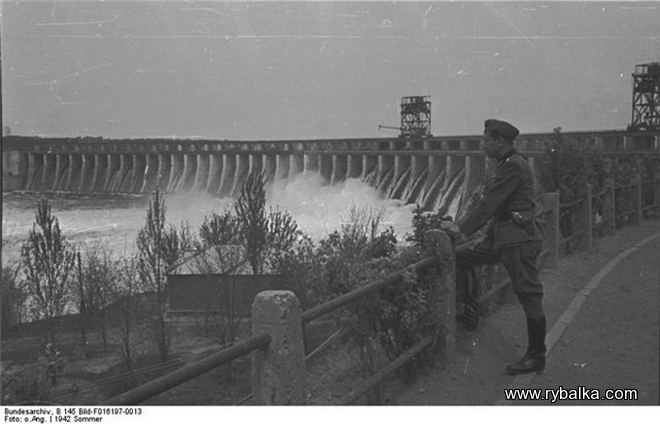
{"x":113,"y":220}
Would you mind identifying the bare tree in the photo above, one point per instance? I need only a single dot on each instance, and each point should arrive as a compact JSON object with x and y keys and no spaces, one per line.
{"x":159,"y":250}
{"x":125,"y":296}
{"x":251,"y":211}
{"x":47,"y":261}
{"x":96,"y":278}
{"x":80,"y":294}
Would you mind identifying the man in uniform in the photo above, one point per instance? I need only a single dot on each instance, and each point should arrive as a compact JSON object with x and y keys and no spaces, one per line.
{"x":512,"y":238}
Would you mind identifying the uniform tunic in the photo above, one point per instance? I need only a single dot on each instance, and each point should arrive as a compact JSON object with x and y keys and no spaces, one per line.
{"x":514,"y":244}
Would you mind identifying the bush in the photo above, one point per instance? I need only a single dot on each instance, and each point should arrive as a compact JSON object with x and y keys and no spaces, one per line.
{"x":13,"y":297}
{"x":24,"y":389}
{"x":385,"y":324}
{"x":30,"y":385}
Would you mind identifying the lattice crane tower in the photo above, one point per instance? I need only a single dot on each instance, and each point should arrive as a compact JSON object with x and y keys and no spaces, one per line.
{"x":415,"y":116}
{"x":646,"y":98}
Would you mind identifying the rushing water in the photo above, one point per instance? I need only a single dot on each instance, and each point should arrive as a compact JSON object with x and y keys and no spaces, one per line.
{"x":113,"y":220}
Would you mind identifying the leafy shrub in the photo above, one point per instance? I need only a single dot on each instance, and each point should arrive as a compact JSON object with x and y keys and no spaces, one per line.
{"x":384,"y":324}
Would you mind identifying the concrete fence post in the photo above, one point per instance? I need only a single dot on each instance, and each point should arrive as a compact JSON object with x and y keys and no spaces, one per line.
{"x":552,"y":228}
{"x":586,"y":219}
{"x":609,"y":206}
{"x":278,"y":371}
{"x":439,"y":244}
{"x":656,"y":194}
{"x":446,"y":300}
{"x":637,"y":199}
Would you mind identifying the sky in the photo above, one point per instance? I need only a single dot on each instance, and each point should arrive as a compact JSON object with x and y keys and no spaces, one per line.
{"x":313,"y":70}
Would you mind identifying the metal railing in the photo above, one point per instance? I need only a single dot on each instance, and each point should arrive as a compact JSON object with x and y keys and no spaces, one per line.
{"x":360,"y":292}
{"x":631,"y":191}
{"x":348,"y":298}
{"x":650,"y":190}
{"x":262,"y":340}
{"x":567,"y":215}
{"x":617,"y":205}
{"x":188,"y":372}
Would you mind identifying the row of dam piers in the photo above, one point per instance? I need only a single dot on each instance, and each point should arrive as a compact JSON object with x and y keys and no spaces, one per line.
{"x":429,"y":172}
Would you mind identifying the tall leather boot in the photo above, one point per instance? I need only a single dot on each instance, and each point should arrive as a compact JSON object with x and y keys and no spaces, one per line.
{"x":469,"y":293}
{"x":534,"y":359}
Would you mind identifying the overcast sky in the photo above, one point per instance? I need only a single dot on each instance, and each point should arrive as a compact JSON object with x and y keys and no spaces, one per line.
{"x":281,"y":70}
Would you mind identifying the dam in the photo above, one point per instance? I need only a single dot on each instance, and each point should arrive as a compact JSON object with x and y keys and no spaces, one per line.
{"x":414,"y":170}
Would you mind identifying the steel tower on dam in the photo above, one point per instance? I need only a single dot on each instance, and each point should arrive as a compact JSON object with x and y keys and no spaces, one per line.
{"x":416,"y":170}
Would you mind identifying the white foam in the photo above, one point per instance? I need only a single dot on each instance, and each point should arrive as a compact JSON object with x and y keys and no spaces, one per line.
{"x":317,"y":207}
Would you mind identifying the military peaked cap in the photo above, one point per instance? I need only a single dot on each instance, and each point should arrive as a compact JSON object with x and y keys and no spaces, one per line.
{"x":496,"y":128}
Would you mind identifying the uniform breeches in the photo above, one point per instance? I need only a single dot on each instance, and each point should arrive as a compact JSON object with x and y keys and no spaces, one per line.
{"x":520,"y":263}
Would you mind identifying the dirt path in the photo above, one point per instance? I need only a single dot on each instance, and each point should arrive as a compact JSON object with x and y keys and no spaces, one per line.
{"x":611,"y":343}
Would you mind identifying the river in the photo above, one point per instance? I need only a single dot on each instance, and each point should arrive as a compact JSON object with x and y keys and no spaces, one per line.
{"x":112,"y":220}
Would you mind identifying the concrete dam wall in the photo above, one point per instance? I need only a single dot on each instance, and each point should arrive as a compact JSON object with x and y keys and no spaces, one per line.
{"x":424,"y":171}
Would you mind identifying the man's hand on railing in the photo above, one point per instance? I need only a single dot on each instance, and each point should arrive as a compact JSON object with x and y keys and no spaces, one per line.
{"x":451,"y":228}
{"x":435,"y":241}
{"x":453,"y":231}
{"x":435,"y":237}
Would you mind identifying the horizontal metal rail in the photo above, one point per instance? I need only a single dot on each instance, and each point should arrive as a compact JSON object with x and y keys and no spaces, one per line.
{"x":572,"y":203}
{"x":333,"y":337}
{"x":599,"y":194}
{"x":188,"y":372}
{"x":625,"y":213}
{"x":568,"y":239}
{"x":358,"y":293}
{"x":566,"y":212}
{"x":624,"y":186}
{"x":602,"y":222}
{"x":391,"y":367}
